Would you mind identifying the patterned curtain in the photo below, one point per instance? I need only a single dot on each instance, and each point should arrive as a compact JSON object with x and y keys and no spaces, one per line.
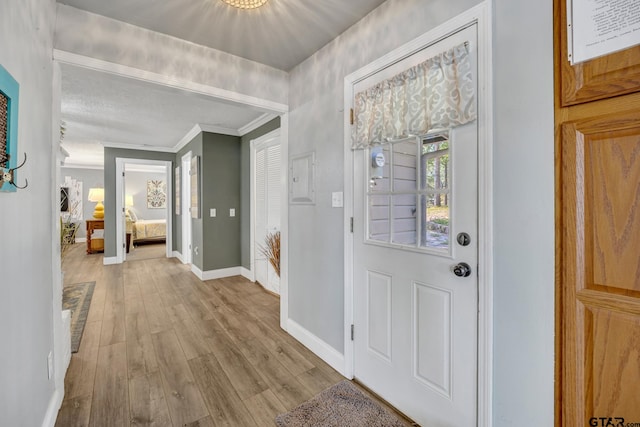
{"x":436,"y":94}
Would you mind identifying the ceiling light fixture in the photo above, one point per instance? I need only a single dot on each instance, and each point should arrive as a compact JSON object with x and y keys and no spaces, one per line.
{"x":246,"y":4}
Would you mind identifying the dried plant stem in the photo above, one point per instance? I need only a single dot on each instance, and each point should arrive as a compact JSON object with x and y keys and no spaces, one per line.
{"x":272,"y":250}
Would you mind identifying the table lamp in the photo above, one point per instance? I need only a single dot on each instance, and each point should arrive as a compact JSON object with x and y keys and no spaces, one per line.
{"x":97,"y":195}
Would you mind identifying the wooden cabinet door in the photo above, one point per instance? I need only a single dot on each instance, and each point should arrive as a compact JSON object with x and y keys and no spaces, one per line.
{"x":598,"y":236}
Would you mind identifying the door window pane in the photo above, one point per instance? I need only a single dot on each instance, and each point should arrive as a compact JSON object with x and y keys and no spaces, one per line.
{"x":379,"y":169}
{"x":405,"y":176}
{"x":435,"y":227}
{"x":404,"y":219}
{"x":435,"y":163}
{"x":379,"y":224}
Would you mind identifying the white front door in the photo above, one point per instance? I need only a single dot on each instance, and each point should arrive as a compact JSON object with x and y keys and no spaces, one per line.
{"x":415,"y":321}
{"x":267,"y":185}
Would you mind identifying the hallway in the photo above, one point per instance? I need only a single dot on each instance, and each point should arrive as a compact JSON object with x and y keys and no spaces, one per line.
{"x":162,"y":348}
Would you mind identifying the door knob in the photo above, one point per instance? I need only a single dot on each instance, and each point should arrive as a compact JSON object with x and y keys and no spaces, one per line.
{"x":461,"y":269}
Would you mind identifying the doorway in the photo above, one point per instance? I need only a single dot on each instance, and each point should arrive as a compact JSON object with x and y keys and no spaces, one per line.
{"x":266,"y":196}
{"x":143,"y":203}
{"x":403,"y":331}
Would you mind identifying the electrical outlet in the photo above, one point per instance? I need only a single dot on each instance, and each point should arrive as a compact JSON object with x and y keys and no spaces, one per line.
{"x":336,"y":199}
{"x":50,"y":365}
{"x":232,"y":212}
{"x":212,"y":212}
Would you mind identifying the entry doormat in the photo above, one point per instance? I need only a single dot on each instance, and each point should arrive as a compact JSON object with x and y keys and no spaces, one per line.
{"x":340,"y":405}
{"x":77,"y":298}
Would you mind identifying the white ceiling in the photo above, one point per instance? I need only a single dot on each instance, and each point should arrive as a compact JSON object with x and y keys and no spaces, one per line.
{"x":282,"y":33}
{"x":102,"y":109}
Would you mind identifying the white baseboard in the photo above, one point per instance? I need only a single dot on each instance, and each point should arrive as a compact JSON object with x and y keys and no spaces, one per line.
{"x":324,"y":351}
{"x":215,"y":274}
{"x":110,"y":260}
{"x":66,"y":328}
{"x":81,"y":239}
{"x":178,"y":255}
{"x":248,"y":274}
{"x":52,"y":410}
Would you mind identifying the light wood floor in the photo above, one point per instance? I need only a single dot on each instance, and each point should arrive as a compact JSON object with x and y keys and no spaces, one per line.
{"x":162,"y":348}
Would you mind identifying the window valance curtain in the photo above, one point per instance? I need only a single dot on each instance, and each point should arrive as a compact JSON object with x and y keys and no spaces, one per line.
{"x":438,"y":93}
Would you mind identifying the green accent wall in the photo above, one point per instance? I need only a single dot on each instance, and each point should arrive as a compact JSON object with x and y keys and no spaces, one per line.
{"x":245,"y":188}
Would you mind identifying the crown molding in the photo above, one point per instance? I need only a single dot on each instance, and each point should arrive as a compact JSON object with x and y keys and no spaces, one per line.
{"x":255,"y":124}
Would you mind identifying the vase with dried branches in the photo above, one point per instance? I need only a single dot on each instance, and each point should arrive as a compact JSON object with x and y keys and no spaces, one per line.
{"x":271,"y":250}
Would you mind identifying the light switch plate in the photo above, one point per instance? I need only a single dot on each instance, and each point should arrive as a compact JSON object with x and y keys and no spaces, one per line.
{"x":337,"y":199}
{"x":212,"y":212}
{"x":232,"y":212}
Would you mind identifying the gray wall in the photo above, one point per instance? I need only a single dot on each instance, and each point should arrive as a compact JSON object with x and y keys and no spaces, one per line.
{"x":110,"y":155}
{"x":136,"y":186}
{"x":245,"y":188}
{"x":215,"y":241}
{"x":27,"y":219}
{"x":523,"y":175}
{"x":90,"y":178}
{"x":220,"y":190}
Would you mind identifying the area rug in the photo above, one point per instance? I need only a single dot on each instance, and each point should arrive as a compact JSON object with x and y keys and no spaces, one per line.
{"x":77,"y":298}
{"x":342,"y":405}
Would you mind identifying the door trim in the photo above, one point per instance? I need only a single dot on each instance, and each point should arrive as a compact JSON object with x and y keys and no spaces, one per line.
{"x":480,"y":15}
{"x":256,"y":144}
{"x":186,"y":236}
{"x":120,"y":168}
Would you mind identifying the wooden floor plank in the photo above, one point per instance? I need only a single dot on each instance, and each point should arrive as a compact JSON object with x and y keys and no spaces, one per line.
{"x":75,"y":412}
{"x":156,"y":313}
{"x":141,"y":356}
{"x":225,"y":406}
{"x":183,"y":396}
{"x":244,"y":377}
{"x":82,"y":369}
{"x":264,"y":407}
{"x":148,"y":404}
{"x":110,"y":406}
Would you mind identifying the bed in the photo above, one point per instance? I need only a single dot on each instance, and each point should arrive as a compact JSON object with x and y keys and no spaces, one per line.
{"x":149,"y":230}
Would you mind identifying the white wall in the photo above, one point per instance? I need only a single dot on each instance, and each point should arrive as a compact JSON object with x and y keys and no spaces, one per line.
{"x":26,"y":220}
{"x":90,"y":178}
{"x":523,"y":175}
{"x":316,"y":124}
{"x":136,"y":186}
{"x":524,"y":214}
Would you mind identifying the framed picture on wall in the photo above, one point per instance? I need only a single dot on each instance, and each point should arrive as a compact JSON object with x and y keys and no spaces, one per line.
{"x":9,"y":93}
{"x":156,"y":194}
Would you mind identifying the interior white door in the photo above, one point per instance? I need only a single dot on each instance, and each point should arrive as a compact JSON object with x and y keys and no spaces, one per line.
{"x":267,"y":209}
{"x":415,"y":321}
{"x":186,"y":208}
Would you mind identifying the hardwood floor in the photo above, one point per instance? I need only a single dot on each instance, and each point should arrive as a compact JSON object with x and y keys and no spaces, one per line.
{"x":162,"y":348}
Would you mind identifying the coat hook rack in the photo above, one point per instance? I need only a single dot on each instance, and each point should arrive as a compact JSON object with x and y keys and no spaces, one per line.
{"x":8,"y":175}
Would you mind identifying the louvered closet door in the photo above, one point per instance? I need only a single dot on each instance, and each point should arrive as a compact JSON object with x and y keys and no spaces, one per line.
{"x":267,"y":219}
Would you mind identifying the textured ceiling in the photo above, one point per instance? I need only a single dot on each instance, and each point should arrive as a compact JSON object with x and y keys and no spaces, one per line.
{"x":281,"y":33}
{"x":100,"y":108}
